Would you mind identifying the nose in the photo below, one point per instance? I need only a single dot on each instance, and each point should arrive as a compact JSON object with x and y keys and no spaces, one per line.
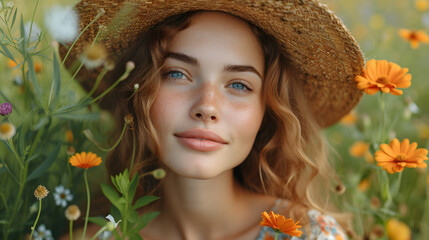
{"x":206,"y":105}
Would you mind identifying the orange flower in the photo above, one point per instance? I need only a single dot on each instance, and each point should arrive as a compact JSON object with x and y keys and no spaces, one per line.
{"x":396,"y":156}
{"x":384,"y":76}
{"x":279,"y":223}
{"x":11,"y":64}
{"x":84,"y":160}
{"x":414,"y":37}
{"x":349,"y":119}
{"x":38,"y":66}
{"x":359,"y":149}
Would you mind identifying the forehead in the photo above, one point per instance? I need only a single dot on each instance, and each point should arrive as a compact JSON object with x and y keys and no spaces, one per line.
{"x":217,"y":34}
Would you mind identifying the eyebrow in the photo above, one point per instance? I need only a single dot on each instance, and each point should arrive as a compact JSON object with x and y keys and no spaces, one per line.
{"x":228,"y":68}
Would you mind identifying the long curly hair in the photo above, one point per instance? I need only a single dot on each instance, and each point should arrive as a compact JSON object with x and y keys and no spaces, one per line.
{"x":289,"y":156}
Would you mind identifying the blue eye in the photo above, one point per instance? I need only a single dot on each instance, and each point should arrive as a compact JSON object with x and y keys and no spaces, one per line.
{"x":239,"y":86}
{"x":176,"y":74}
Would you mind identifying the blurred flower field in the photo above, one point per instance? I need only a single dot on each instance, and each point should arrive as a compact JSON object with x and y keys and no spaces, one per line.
{"x":51,"y":123}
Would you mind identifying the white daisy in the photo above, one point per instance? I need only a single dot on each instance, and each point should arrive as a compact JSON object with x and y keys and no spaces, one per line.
{"x":35,"y":32}
{"x":42,"y":233}
{"x":62,"y":196}
{"x":62,"y":22}
{"x":7,"y":131}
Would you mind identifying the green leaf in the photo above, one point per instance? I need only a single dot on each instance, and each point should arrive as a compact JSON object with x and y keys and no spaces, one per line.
{"x":145,"y":219}
{"x":143,"y":201}
{"x":111,"y":194}
{"x":56,"y":82}
{"x":7,"y":53}
{"x":135,"y":235}
{"x":98,"y":220}
{"x":14,"y":18}
{"x":133,"y":216}
{"x":33,"y":79}
{"x":132,"y":187}
{"x":78,"y":116}
{"x":46,"y":164}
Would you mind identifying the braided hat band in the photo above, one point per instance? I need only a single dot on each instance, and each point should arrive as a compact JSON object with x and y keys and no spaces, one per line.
{"x":317,"y":43}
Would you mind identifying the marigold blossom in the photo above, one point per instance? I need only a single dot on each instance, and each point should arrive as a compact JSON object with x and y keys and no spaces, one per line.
{"x":62,"y":22}
{"x":7,"y":131}
{"x":62,"y":196}
{"x":5,"y":109}
{"x":359,"y":149}
{"x":279,"y":223}
{"x":41,"y":192}
{"x":414,"y":37}
{"x":85,"y":160}
{"x":398,"y":155}
{"x":72,"y":212}
{"x":421,"y":5}
{"x":384,"y":76}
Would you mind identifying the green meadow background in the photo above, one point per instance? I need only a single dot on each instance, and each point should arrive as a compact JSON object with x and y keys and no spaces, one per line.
{"x":375,"y":25}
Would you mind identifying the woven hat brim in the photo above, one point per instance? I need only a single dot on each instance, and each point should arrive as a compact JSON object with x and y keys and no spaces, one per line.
{"x":322,"y":49}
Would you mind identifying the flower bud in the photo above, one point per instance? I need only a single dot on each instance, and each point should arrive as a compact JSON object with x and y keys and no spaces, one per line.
{"x":5,"y":109}
{"x":136,"y":86}
{"x":72,"y":212}
{"x":41,"y":192}
{"x":158,"y":173}
{"x":128,"y":118}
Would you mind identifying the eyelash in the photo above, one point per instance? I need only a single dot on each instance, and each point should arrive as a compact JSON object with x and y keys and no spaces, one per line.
{"x":244,"y":89}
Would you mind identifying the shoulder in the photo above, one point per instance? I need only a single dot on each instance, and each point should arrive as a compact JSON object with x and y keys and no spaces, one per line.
{"x":321,"y":227}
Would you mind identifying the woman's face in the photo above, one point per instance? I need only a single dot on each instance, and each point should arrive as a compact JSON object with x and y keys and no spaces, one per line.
{"x":209,"y":107}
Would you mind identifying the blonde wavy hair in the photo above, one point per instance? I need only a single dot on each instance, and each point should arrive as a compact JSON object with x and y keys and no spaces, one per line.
{"x":289,"y":156}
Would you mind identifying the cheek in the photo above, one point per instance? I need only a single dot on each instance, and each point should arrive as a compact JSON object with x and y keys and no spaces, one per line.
{"x":245,"y":123}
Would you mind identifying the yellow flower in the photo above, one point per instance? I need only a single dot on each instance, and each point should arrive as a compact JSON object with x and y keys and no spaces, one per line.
{"x":279,"y":223}
{"x":7,"y":131}
{"x":72,"y":212}
{"x":396,"y":156}
{"x":397,"y":230}
{"x":384,"y":76}
{"x":423,"y":131}
{"x":11,"y":64}
{"x":84,"y":160}
{"x":41,"y":192}
{"x":349,"y":119}
{"x":359,"y":149}
{"x":364,"y":185}
{"x":421,"y":5}
{"x":414,"y":37}
{"x":69,"y":136}
{"x":369,"y":158}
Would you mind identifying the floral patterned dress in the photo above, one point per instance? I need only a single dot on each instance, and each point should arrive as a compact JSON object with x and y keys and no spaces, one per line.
{"x":323,"y":227}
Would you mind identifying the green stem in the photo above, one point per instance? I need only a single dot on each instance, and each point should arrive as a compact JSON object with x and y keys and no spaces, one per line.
{"x":98,"y":233}
{"x":71,"y":229}
{"x":277,"y":236}
{"x":80,"y":34}
{"x":37,"y":219}
{"x":383,"y":116}
{"x":18,"y":158}
{"x":133,"y":154}
{"x":89,"y":135}
{"x":87,"y":205}
{"x":31,"y":25}
{"x":97,"y":82}
{"x":36,"y":141}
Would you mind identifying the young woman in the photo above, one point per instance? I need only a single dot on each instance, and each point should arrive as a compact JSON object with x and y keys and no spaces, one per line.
{"x":231,"y":99}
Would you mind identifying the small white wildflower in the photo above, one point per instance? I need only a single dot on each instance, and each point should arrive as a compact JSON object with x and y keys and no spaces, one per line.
{"x":94,"y":56}
{"x":425,"y":19}
{"x":62,"y":196}
{"x":62,"y":22}
{"x":42,"y":233}
{"x":35,"y":32}
{"x":413,"y":108}
{"x":111,"y":225}
{"x":7,"y":131}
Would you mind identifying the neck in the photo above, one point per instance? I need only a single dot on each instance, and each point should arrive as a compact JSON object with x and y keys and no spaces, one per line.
{"x":205,"y":209}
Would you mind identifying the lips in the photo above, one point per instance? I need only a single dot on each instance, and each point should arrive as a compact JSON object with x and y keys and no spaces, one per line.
{"x":201,"y":140}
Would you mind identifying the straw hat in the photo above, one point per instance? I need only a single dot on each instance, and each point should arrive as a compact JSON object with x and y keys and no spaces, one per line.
{"x":311,"y":36}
